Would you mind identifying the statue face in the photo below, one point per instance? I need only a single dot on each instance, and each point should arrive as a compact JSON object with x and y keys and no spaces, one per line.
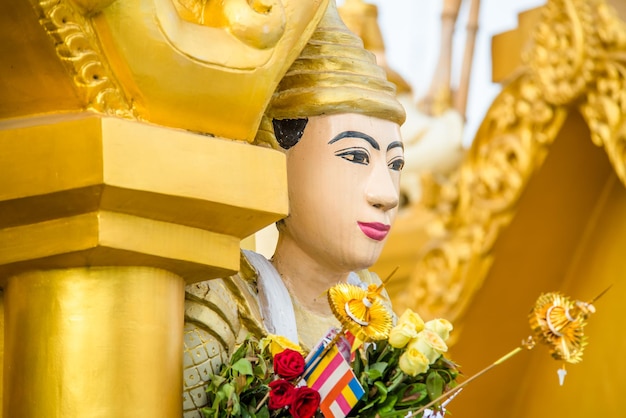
{"x":344,"y":178}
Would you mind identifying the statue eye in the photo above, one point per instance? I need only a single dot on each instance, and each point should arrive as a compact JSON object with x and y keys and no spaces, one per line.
{"x":396,"y":164}
{"x":354,"y":155}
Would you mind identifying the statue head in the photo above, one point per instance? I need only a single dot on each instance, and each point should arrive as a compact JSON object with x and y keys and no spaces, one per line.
{"x":336,"y":117}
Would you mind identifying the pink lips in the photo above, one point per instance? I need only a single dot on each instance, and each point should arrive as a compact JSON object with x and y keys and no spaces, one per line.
{"x":374,"y":230}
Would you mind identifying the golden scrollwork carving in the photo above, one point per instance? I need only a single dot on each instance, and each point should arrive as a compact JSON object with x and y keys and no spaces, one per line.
{"x":584,"y":58}
{"x":604,"y":107}
{"x":576,"y":61}
{"x":481,"y":197}
{"x":258,"y":23}
{"x":76,"y":46}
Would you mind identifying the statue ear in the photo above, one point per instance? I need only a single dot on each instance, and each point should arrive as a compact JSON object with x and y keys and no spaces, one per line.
{"x":289,"y":131}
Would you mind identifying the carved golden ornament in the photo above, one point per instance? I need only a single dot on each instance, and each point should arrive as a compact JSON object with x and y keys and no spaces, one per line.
{"x":361,"y":311}
{"x":242,"y":33}
{"x":77,"y":47}
{"x":258,"y":23}
{"x":558,"y":321}
{"x":205,"y":66}
{"x":479,"y":201}
{"x":582,"y":57}
{"x":576,"y":60}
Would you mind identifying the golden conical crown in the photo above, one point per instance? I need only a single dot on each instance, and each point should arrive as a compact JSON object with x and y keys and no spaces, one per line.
{"x":333,"y":74}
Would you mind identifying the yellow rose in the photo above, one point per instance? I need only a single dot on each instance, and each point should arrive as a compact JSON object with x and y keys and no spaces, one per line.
{"x":410,"y":317}
{"x":430,"y":344}
{"x":413,"y":362}
{"x":401,"y":334}
{"x":278,"y":344}
{"x":442,"y":327}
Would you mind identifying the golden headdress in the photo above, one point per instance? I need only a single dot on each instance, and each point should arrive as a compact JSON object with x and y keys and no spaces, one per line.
{"x":333,"y":74}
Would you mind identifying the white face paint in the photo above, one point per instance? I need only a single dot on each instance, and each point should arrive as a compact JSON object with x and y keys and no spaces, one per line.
{"x":344,"y":178}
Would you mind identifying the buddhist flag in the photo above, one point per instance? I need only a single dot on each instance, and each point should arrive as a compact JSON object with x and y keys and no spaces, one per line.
{"x":335,"y":381}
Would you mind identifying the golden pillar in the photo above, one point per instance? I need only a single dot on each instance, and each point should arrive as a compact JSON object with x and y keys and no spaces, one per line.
{"x":126,"y":172}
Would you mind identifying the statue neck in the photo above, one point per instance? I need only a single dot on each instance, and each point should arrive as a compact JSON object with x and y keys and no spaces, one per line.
{"x":306,"y":278}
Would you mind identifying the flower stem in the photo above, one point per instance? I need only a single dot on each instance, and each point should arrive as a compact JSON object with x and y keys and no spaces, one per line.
{"x":457,"y":388}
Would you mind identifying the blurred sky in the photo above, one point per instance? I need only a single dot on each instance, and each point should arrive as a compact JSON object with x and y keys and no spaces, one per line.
{"x":411,"y":30}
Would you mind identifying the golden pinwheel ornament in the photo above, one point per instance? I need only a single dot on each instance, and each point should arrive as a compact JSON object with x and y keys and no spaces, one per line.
{"x":361,"y":311}
{"x":556,"y":321}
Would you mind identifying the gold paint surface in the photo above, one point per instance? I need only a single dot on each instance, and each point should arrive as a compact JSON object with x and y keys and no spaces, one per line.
{"x":207,"y":67}
{"x":79,"y":165}
{"x":196,"y":76}
{"x":94,"y":342}
{"x":32,"y":79}
{"x":506,"y":46}
{"x":114,"y":239}
{"x":1,"y":349}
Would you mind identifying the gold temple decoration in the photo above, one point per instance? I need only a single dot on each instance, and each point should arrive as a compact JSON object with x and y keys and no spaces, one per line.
{"x":360,"y":311}
{"x":180,"y":63}
{"x":558,"y":321}
{"x":576,"y":61}
{"x":259,"y":23}
{"x":77,"y":47}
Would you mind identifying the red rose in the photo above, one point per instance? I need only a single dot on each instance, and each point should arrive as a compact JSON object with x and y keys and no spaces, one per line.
{"x":289,"y":364}
{"x":282,"y":393}
{"x":305,"y":403}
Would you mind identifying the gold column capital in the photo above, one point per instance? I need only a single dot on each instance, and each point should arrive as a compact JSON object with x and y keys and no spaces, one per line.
{"x":99,"y":191}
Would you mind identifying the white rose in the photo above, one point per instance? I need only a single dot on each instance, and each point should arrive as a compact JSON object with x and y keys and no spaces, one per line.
{"x":413,"y":318}
{"x":441,"y":327}
{"x":413,"y":362}
{"x":430,"y":344}
{"x":401,"y":334}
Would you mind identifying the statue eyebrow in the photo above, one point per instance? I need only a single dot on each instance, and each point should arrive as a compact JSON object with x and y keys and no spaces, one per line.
{"x":395,"y":144}
{"x":356,"y":134}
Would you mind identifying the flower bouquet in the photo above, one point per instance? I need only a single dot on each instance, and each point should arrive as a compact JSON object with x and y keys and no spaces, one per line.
{"x":369,"y":368}
{"x":405,"y":373}
{"x":262,"y":379}
{"x":397,"y":375}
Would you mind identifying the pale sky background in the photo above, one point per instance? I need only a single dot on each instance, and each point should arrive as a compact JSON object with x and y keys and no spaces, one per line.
{"x":411,"y":30}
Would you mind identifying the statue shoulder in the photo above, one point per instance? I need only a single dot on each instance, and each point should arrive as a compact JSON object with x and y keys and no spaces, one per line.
{"x":219,"y":313}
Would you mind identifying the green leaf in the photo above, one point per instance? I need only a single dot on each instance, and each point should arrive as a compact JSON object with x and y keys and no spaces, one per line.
{"x":235,"y":405}
{"x":412,"y":394}
{"x":357,"y":365}
{"x":243,"y":366}
{"x":263,"y":412}
{"x":376,"y":371}
{"x":434,"y":385}
{"x":240,"y":352}
{"x":389,"y":403}
{"x":396,"y":379}
{"x":209,"y":412}
{"x":382,"y":391}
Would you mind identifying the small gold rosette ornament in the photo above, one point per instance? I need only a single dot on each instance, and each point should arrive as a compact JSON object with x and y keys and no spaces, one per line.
{"x":558,"y":321}
{"x":361,"y":311}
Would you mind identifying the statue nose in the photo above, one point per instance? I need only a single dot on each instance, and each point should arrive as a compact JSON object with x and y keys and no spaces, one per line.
{"x":382,"y":192}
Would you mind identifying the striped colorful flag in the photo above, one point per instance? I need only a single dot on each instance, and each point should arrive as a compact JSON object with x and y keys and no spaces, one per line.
{"x":335,"y":381}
